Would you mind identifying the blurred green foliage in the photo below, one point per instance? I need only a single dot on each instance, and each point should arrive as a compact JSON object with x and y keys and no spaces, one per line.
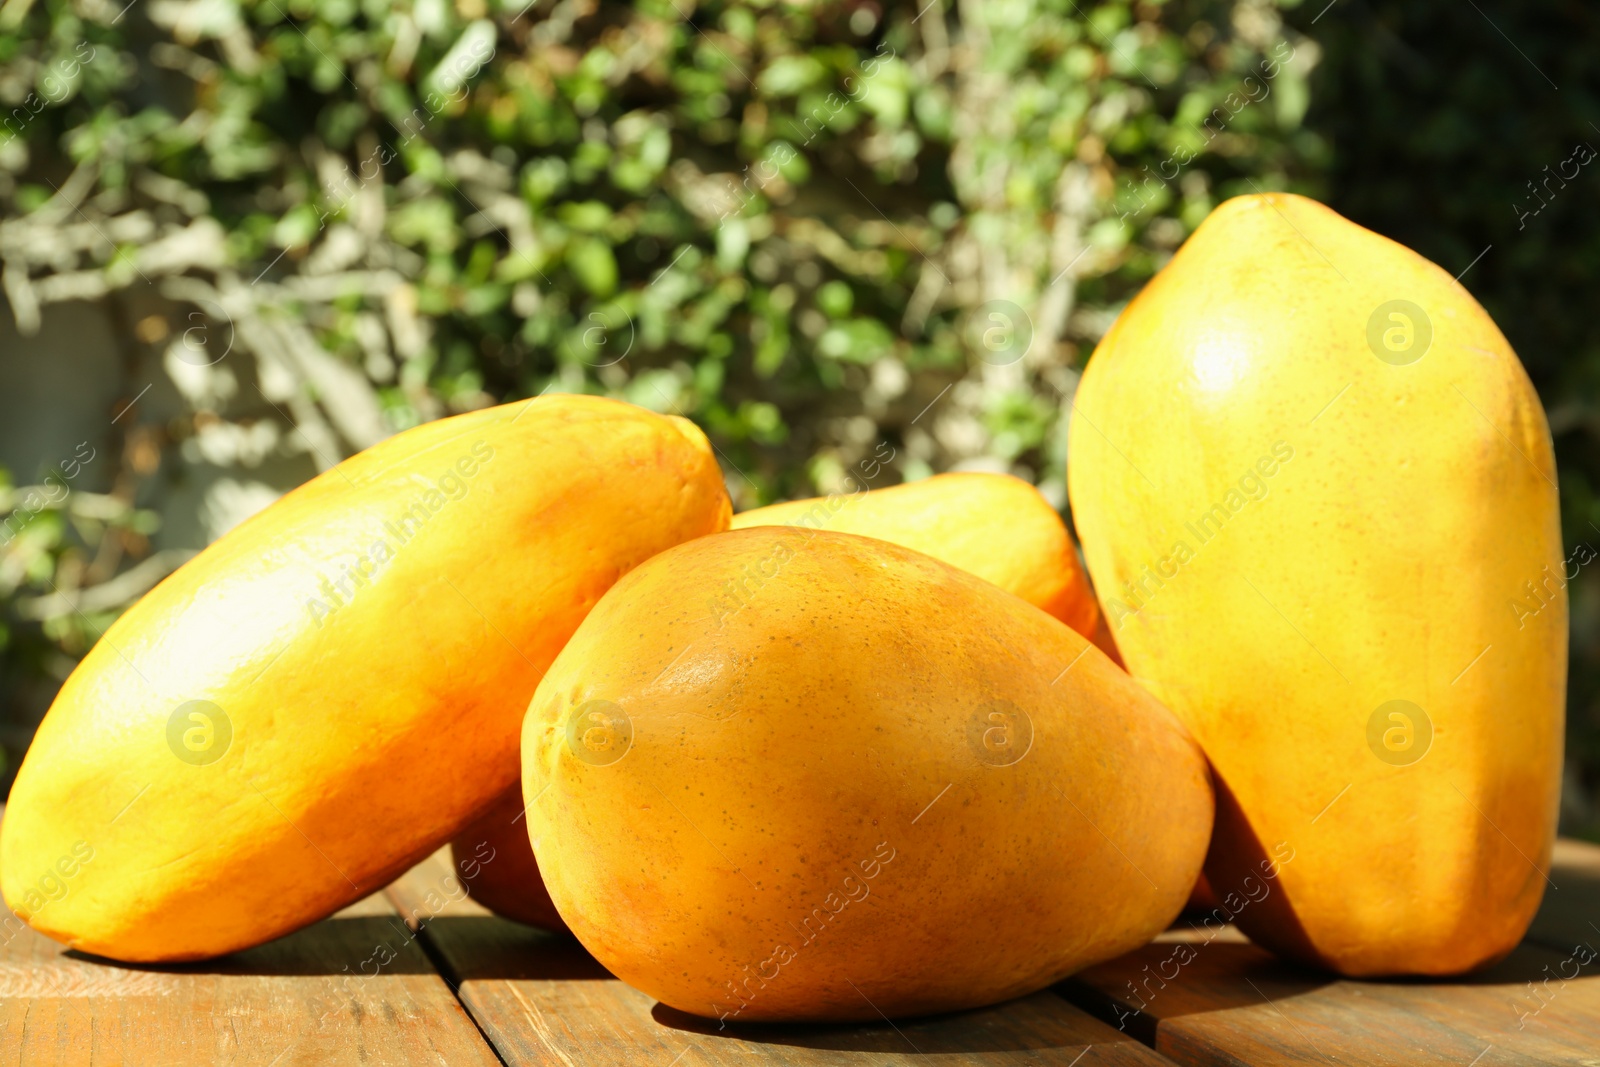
{"x":815,"y":229}
{"x":739,"y":211}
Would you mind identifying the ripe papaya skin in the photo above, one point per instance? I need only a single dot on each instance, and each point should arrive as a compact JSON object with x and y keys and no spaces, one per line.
{"x":992,"y":525}
{"x":368,"y":724}
{"x":800,"y":810}
{"x":498,"y":867}
{"x":1340,"y":507}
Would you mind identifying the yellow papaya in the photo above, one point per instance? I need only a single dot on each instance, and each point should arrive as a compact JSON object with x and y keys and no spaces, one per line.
{"x":335,"y":688}
{"x":795,"y":809}
{"x":1335,"y":552}
{"x":497,"y":864}
{"x":992,"y":525}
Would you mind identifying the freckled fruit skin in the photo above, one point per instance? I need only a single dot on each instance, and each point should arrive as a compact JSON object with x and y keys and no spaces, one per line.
{"x":1411,"y":499}
{"x":498,"y":867}
{"x":992,"y":525}
{"x":363,"y":736}
{"x":860,"y":792}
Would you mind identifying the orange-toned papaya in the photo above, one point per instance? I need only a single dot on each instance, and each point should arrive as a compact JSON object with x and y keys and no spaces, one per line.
{"x":992,"y":525}
{"x":335,"y":688}
{"x":498,"y":867}
{"x":801,"y":809}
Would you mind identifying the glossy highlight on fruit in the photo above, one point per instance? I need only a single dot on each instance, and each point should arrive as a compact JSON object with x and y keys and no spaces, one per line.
{"x":335,"y":688}
{"x":1317,"y":495}
{"x":883,"y":784}
{"x":992,"y":525}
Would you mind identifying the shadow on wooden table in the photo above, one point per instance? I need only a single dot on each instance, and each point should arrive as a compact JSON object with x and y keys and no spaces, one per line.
{"x":354,"y":946}
{"x":484,"y":948}
{"x":541,"y":998}
{"x":1031,"y":1024}
{"x":1168,"y":980}
{"x":1195,"y":980}
{"x":489,"y":948}
{"x":1232,"y":1002}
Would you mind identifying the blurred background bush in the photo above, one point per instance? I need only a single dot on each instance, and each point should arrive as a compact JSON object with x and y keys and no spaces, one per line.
{"x":242,"y":239}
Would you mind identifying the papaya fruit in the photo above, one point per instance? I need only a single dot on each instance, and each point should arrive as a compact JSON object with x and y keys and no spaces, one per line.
{"x":992,"y":525}
{"x":877,"y":784}
{"x":498,"y":867}
{"x":1336,"y":555}
{"x":335,"y":687}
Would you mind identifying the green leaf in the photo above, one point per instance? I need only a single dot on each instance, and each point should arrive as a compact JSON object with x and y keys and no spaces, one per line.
{"x":787,"y":75}
{"x":856,"y":341}
{"x":593,"y":265}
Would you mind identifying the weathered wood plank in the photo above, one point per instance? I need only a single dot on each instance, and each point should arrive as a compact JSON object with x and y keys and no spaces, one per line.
{"x":1228,"y":1002}
{"x":543,"y":1000}
{"x":355,"y":988}
{"x":359,"y":988}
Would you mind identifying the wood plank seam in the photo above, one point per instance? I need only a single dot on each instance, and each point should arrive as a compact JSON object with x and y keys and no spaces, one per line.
{"x":300,"y":1000}
{"x":540,"y":999}
{"x":419,"y":933}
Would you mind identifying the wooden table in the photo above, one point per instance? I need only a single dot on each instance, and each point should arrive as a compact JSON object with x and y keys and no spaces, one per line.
{"x":409,"y":976}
